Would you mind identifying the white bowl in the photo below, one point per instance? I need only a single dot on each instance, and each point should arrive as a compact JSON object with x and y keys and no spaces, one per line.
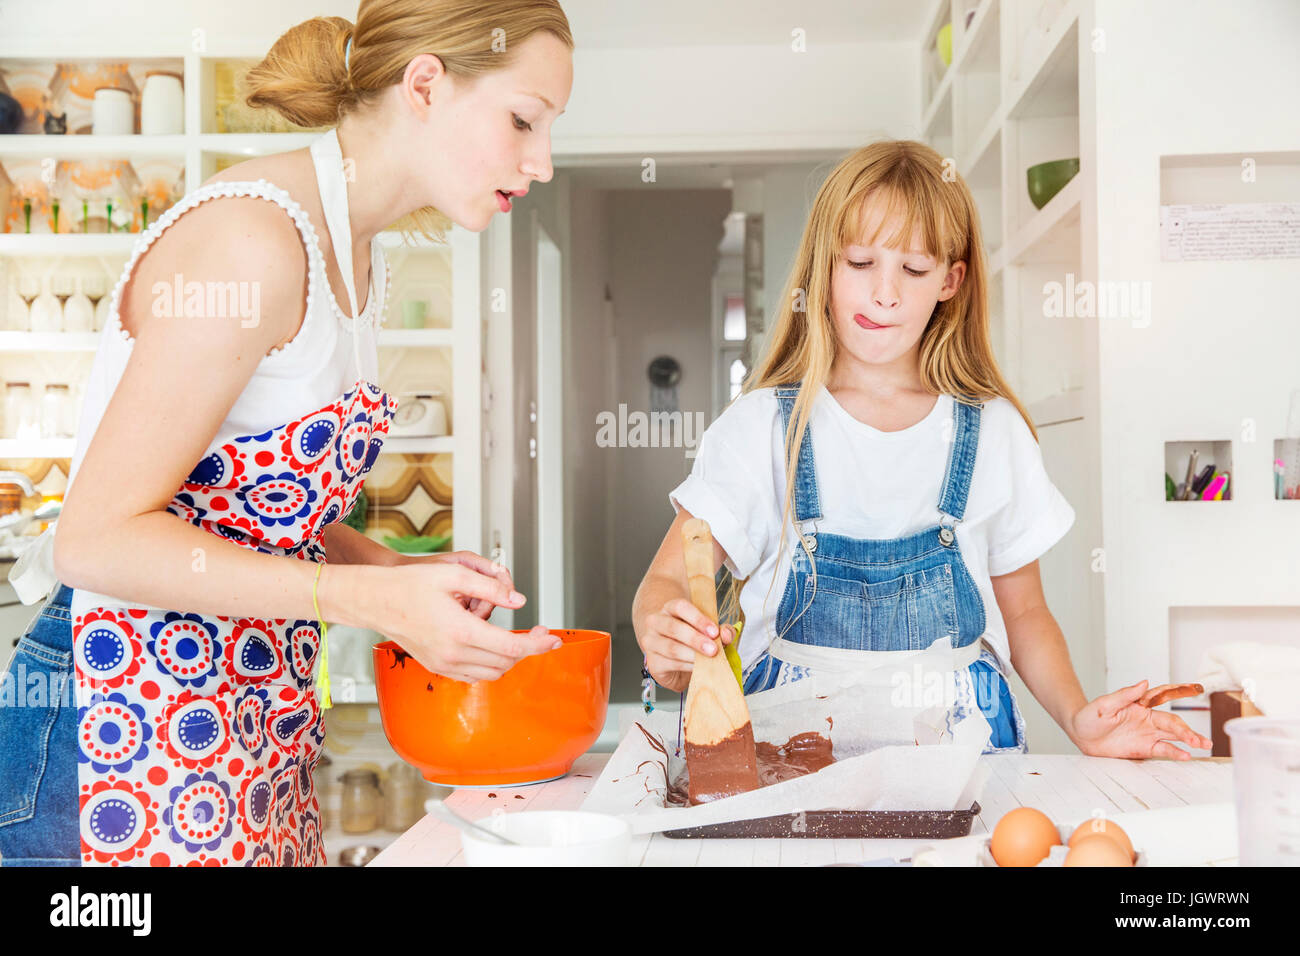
{"x":550,"y":838}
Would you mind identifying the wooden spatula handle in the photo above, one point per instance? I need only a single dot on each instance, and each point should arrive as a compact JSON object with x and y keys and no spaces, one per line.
{"x":720,"y":755}
{"x":697,"y":545}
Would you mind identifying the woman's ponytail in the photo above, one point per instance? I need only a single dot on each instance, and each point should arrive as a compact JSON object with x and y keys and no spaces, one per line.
{"x":304,"y":77}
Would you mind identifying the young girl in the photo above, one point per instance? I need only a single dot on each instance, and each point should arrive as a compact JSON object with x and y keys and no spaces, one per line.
{"x":877,"y":487}
{"x":217,"y":457}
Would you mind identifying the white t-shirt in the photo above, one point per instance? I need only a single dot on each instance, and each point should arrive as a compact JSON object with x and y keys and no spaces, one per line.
{"x":872,"y":484}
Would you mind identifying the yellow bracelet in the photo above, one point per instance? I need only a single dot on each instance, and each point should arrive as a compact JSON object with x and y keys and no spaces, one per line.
{"x":323,"y":678}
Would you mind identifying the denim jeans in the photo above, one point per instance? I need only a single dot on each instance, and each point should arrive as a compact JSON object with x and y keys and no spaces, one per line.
{"x":38,"y":736}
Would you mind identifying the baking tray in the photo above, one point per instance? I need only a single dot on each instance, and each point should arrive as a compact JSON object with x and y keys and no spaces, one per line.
{"x":843,"y":825}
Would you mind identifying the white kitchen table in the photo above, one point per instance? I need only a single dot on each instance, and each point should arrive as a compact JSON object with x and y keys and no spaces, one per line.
{"x":1178,"y":812}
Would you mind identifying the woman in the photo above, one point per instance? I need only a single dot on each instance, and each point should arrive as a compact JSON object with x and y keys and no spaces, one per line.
{"x":193,"y":590}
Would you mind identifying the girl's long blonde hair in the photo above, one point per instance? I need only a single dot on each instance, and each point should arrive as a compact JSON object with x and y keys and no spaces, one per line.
{"x":923,"y":193}
{"x":304,"y":79}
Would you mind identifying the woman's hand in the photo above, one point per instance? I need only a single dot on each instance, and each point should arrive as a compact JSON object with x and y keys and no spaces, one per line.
{"x":1120,"y":724}
{"x":670,"y":638}
{"x":479,"y":607}
{"x":435,"y":615}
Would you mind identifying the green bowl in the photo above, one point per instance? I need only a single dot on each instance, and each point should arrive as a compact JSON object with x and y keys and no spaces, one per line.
{"x":1048,"y":179}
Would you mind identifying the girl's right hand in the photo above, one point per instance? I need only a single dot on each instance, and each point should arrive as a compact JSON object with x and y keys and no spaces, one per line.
{"x":429,"y":617}
{"x":671,"y":637}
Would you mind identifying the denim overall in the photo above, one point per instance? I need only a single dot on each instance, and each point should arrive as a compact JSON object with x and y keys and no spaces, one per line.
{"x":896,"y":595}
{"x":38,"y":753}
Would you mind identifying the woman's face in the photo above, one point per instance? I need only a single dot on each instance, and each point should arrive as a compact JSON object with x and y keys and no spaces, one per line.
{"x":882,"y":298}
{"x":492,"y":132}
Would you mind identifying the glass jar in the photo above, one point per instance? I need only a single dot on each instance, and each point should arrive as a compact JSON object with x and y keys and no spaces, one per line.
{"x":54,"y":411}
{"x":362,"y":802}
{"x":404,"y":797}
{"x":20,"y":420}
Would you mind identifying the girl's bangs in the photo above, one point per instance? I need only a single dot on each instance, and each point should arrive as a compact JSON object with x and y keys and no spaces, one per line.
{"x":910,"y":214}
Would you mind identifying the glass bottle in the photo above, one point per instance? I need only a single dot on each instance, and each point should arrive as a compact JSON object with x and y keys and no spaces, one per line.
{"x":18,"y":415}
{"x":54,"y":411}
{"x":362,"y":802}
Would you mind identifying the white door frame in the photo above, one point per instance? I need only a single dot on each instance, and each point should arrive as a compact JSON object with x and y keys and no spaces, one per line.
{"x":494,"y":379}
{"x":551,"y":525}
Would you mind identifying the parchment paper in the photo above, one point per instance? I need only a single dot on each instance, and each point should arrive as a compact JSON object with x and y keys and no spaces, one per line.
{"x":896,"y":747}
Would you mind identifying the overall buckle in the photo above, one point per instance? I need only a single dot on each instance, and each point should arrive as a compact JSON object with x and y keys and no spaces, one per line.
{"x":947,"y":532}
{"x":809,"y":538}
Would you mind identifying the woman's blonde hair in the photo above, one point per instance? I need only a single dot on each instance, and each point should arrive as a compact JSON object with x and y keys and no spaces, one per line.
{"x":916,"y":187}
{"x":305,"y":80}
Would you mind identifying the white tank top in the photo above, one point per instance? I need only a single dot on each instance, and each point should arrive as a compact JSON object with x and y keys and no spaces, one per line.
{"x":327,"y":355}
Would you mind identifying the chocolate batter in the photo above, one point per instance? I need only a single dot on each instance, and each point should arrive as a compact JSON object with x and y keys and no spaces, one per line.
{"x":725,"y":768}
{"x":802,"y":754}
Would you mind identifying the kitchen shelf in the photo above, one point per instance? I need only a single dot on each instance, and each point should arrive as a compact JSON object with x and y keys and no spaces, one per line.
{"x":447,"y":274}
{"x":1287,"y":450}
{"x":254,"y":144}
{"x":15,"y":341}
{"x":982,"y":32}
{"x":1051,"y":235}
{"x":419,"y":446}
{"x":37,"y":447}
{"x":1066,"y":406}
{"x":80,"y":147}
{"x":983,"y":165}
{"x":938,"y":115}
{"x":1216,"y":453}
{"x":933,"y":86}
{"x":1050,"y":84}
{"x":67,"y":244}
{"x":415,"y":338}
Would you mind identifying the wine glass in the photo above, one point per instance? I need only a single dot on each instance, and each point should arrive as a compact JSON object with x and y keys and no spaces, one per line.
{"x":95,"y":287}
{"x":63,"y":288}
{"x":29,"y":287}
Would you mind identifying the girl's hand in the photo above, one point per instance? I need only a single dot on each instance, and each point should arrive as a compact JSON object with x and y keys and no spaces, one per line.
{"x":671,"y":637}
{"x":1119,"y":724}
{"x":431,"y":615}
{"x":479,"y":607}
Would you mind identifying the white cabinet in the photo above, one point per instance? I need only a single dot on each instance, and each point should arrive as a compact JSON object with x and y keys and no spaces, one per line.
{"x":445,"y":355}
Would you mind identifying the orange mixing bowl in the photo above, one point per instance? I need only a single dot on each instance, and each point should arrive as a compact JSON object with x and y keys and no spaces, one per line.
{"x":527,"y":726}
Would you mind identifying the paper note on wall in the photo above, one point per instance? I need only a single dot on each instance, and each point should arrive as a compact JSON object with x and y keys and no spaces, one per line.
{"x":1264,"y":230}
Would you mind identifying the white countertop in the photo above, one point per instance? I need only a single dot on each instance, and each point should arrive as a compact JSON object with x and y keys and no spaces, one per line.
{"x":1178,"y":812}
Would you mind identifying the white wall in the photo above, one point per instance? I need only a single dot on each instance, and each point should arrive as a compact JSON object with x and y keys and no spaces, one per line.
{"x":648,"y":101}
{"x":1191,"y":76}
{"x":662,"y":254}
{"x":662,"y":97}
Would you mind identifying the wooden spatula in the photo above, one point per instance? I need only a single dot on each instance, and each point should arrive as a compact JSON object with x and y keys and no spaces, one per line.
{"x":720,"y":758}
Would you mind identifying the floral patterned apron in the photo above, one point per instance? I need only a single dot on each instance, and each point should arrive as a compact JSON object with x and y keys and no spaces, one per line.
{"x":198,"y":734}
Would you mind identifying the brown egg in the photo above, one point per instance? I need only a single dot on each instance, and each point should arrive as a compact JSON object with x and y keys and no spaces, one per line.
{"x":1023,"y":837}
{"x":1097,"y":850}
{"x":1106,"y":828}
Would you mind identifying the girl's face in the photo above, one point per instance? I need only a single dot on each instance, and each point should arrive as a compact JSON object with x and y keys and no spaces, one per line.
{"x":492,"y":133}
{"x":882,"y":298}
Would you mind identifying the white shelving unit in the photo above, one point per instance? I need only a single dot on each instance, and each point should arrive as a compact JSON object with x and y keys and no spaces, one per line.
{"x":1012,"y":97}
{"x":199,"y":149}
{"x":1009,"y":100}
